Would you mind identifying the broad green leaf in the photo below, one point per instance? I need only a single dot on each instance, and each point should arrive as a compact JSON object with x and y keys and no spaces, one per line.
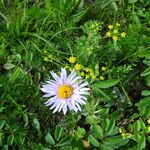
{"x":58,"y":132}
{"x":10,"y":139}
{"x":114,"y":6}
{"x":98,"y":131}
{"x":8,"y":66}
{"x":110,"y":127}
{"x":93,"y":141}
{"x":145,"y":93}
{"x":80,"y":132}
{"x":91,"y":120}
{"x":141,"y":142}
{"x":2,"y":122}
{"x":49,"y":139}
{"x":105,"y":84}
{"x":137,"y":126}
{"x":115,"y":142}
{"x":36,"y":123}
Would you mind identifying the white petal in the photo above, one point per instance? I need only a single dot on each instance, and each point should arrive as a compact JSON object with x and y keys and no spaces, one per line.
{"x":65,"y":109}
{"x":49,"y":95}
{"x":83,"y":84}
{"x":78,"y":106}
{"x":63,"y":75}
{"x":56,"y":77}
{"x":55,"y":104}
{"x":57,"y":107}
{"x":71,"y":76}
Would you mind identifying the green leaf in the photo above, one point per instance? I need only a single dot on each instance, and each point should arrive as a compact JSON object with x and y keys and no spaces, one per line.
{"x":137,"y":126}
{"x":17,"y":72}
{"x":110,"y":126}
{"x":98,"y":131}
{"x":145,"y":93}
{"x":114,"y":6}
{"x":58,"y":132}
{"x":65,"y":141}
{"x":115,"y":142}
{"x":132,"y":1}
{"x":36,"y":123}
{"x":146,"y":72}
{"x":49,"y":139}
{"x":141,"y":142}
{"x":80,"y":132}
{"x":2,"y":122}
{"x":91,"y":120}
{"x":93,"y":141}
{"x":105,"y":84}
{"x":10,"y":139}
{"x":8,"y":66}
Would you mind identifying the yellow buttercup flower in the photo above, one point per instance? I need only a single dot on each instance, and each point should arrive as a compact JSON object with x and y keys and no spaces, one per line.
{"x":46,"y":59}
{"x":103,"y":68}
{"x":72,"y":59}
{"x":148,"y":128}
{"x":148,"y":121}
{"x":82,"y":74}
{"x":117,"y":24}
{"x":87,"y":76}
{"x":123,"y":34}
{"x":108,"y":34}
{"x":115,"y":31}
{"x":102,"y":78}
{"x":77,"y":66}
{"x":110,"y":27}
{"x":115,"y":38}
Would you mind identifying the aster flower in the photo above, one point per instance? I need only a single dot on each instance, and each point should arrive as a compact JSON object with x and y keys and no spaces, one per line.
{"x":66,"y":92}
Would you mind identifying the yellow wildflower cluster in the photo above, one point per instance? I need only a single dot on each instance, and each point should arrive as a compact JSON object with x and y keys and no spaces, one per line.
{"x":114,"y":32}
{"x":48,"y":57}
{"x":148,"y":127}
{"x":124,"y":134}
{"x":95,"y":27}
{"x":103,"y":69}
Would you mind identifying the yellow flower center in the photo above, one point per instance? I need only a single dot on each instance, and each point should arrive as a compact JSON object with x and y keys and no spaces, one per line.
{"x":65,"y":91}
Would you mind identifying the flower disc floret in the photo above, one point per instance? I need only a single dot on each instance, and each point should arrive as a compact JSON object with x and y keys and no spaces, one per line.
{"x":65,"y":92}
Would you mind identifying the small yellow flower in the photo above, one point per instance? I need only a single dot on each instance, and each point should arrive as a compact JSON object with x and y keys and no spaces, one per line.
{"x":103,"y":68}
{"x":117,"y":24}
{"x":82,"y":74}
{"x":148,"y":121}
{"x":115,"y":31}
{"x":123,"y":34}
{"x":77,"y":66}
{"x":110,"y":27}
{"x":148,"y":128}
{"x":120,"y":130}
{"x":123,"y":135}
{"x":72,"y":59}
{"x":87,"y":76}
{"x":87,"y":69}
{"x":102,"y":78}
{"x":66,"y":66}
{"x":115,"y":38}
{"x":108,"y":34}
{"x":46,"y":59}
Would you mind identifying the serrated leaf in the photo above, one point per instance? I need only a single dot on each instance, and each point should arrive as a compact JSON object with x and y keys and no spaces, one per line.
{"x":8,"y":66}
{"x":105,"y":84}
{"x":36,"y":123}
{"x":10,"y":139}
{"x":58,"y":132}
{"x":93,"y":141}
{"x":98,"y":131}
{"x":49,"y":139}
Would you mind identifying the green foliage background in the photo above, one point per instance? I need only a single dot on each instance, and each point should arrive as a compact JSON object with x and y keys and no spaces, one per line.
{"x":39,"y":36}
